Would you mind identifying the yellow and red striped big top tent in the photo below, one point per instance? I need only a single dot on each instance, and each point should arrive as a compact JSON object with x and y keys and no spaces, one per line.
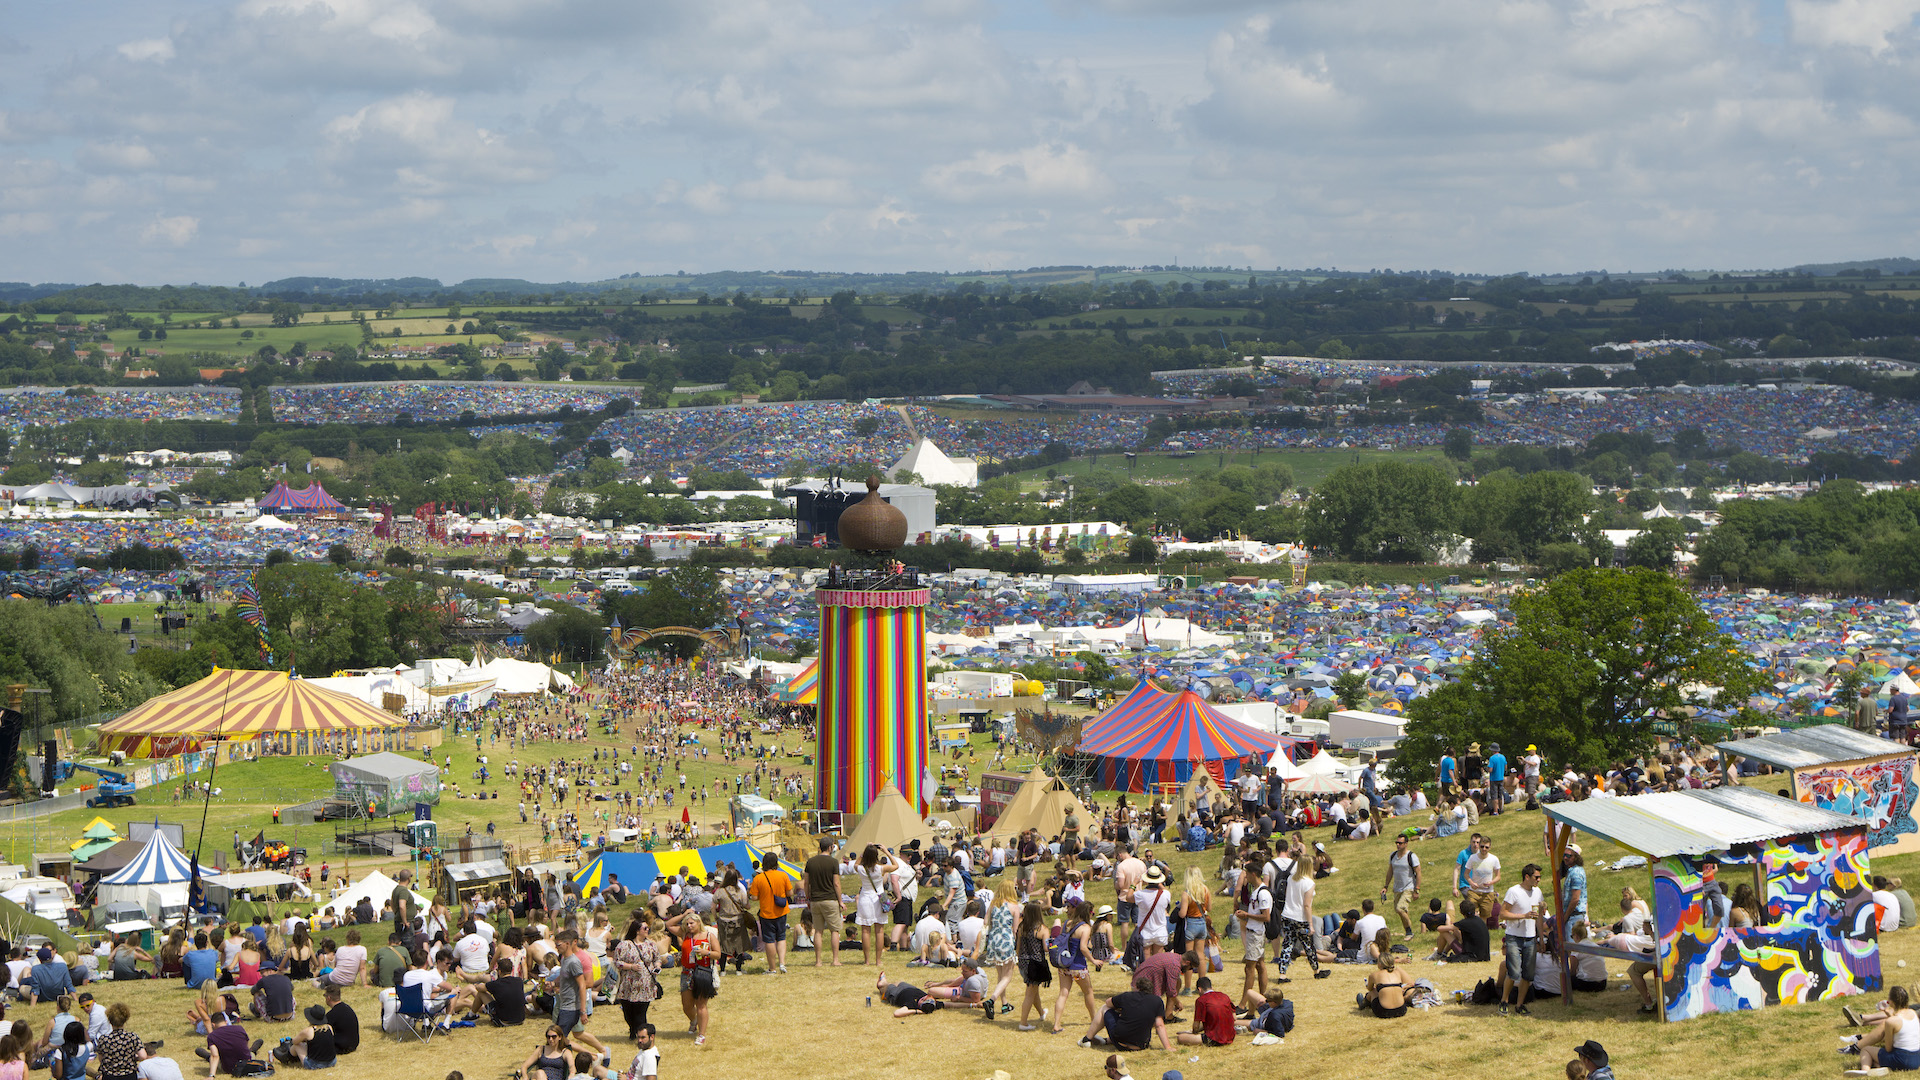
{"x":229,"y":705}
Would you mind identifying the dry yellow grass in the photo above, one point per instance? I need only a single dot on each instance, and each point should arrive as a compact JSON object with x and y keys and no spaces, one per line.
{"x":819,"y":1021}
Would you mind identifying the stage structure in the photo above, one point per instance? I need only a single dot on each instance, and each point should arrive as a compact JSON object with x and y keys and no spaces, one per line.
{"x":873,"y":668}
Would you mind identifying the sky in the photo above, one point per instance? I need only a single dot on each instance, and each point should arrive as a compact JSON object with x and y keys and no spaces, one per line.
{"x":157,"y":141}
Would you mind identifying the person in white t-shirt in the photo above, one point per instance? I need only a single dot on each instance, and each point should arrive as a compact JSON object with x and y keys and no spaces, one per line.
{"x":970,"y":929}
{"x":474,"y":953}
{"x":17,"y":968}
{"x":1888,"y":904}
{"x":646,"y":1063}
{"x":1253,"y":940}
{"x":1522,"y":910}
{"x":1530,"y":767}
{"x":1154,"y":903}
{"x":1370,"y":923}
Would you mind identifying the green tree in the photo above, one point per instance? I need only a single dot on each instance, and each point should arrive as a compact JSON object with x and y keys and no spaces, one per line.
{"x":1588,"y":662}
{"x":1142,"y":550}
{"x":1350,"y":689}
{"x":683,"y":596}
{"x":569,"y":633}
{"x":1653,"y":547}
{"x":1459,"y":444}
{"x":1382,"y":511}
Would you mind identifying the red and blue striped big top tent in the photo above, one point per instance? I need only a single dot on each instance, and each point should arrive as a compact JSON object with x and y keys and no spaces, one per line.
{"x":1153,"y":737}
{"x":307,"y":500}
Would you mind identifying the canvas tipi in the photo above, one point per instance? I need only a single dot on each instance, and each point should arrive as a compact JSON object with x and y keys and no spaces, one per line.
{"x":889,"y":822}
{"x":1041,"y":804}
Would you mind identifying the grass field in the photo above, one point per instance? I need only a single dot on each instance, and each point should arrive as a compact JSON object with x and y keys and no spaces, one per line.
{"x":811,"y":1016}
{"x":1310,"y":467}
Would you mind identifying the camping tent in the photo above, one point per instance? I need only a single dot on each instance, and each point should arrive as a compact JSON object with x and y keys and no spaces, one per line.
{"x":308,"y":500}
{"x":803,"y":688}
{"x":522,"y":677}
{"x":889,"y":822}
{"x":234,"y":705}
{"x":1042,"y":804}
{"x":377,"y":888}
{"x":1156,"y":738}
{"x":268,"y":521}
{"x":389,"y":782}
{"x":933,"y":466}
{"x":637,"y":870}
{"x":375,"y":687}
{"x":159,"y":863}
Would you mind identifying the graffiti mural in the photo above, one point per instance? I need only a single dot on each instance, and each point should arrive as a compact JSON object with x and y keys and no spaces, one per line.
{"x":1881,"y":792}
{"x":1819,"y":941}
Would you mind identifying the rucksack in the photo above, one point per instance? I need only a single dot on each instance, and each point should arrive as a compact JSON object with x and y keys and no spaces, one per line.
{"x":1274,"y":928}
{"x":966,"y":880}
{"x":1486,"y":992}
{"x":1060,"y":948}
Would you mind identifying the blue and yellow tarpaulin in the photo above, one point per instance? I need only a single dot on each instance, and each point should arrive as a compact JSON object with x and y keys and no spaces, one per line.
{"x":638,"y":870}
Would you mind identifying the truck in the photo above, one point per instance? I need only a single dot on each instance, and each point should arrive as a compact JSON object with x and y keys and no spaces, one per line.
{"x":114,"y":789}
{"x":167,"y":903}
{"x":49,"y":898}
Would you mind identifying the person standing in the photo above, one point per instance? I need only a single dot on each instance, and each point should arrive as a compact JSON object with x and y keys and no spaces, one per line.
{"x":1128,"y":873}
{"x":404,"y":908}
{"x":823,"y":901}
{"x":1530,"y":766}
{"x":1496,"y":779}
{"x":1403,"y":882}
{"x":1253,"y":916}
{"x":1865,"y":716}
{"x":1522,"y":910}
{"x":773,"y":889}
{"x":1573,"y":885}
{"x":1029,"y":857}
{"x":1899,"y":718}
{"x":1296,"y":920}
{"x":636,"y":963}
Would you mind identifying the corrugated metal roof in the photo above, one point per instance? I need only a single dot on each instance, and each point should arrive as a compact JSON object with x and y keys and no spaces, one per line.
{"x":1696,"y":822}
{"x":483,"y":870}
{"x":1804,"y":747}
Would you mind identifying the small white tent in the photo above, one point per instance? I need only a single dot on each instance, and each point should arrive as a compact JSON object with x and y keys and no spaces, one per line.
{"x":933,"y":466}
{"x":378,"y":889}
{"x":269,"y":522}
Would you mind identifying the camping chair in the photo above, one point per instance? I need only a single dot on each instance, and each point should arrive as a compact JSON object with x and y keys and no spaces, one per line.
{"x":418,"y":1012}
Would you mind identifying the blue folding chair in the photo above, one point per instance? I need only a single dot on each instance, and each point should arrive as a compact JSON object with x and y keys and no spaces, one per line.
{"x":418,"y":1012}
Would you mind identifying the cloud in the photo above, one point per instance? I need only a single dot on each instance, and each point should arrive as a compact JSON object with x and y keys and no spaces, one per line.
{"x":150,"y":49}
{"x":572,"y":138}
{"x":1860,"y":24}
{"x":1047,"y":171}
{"x":176,"y":231}
{"x":124,"y":157}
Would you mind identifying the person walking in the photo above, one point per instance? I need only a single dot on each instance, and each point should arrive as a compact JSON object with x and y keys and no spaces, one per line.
{"x":997,"y":947}
{"x":823,"y":901}
{"x":700,"y":974}
{"x":1403,"y":882}
{"x":636,"y":964}
{"x":773,"y":889}
{"x":1296,"y":920}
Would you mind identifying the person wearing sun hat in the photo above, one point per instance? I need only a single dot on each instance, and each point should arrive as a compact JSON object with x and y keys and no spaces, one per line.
{"x":1594,"y":1057}
{"x":1530,"y":769}
{"x":1155,"y":904}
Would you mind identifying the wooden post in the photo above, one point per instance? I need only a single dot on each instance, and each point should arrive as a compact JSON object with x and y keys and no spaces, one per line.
{"x":1558,"y":837}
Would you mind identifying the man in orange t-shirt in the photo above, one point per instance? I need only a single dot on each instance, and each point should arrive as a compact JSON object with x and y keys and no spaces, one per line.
{"x":773,"y":889}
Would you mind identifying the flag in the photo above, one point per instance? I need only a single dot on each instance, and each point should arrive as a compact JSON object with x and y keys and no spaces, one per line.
{"x":196,"y":889}
{"x":260,"y":839}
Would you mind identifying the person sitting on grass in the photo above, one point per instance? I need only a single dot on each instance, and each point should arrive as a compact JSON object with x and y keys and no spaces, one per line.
{"x":1130,"y":1020}
{"x":212,"y":1002}
{"x":1386,"y":992}
{"x":1213,"y":1021}
{"x":1269,"y":1015}
{"x":228,"y":1049}
{"x":313,"y":1046}
{"x":1894,"y":1042}
{"x":1464,"y":941}
{"x":967,"y":988}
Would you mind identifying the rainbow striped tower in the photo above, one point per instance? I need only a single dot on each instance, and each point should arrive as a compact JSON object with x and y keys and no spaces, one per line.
{"x":873,"y":694}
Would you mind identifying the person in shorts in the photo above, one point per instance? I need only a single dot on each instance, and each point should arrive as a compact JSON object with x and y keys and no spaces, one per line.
{"x":773,"y":889}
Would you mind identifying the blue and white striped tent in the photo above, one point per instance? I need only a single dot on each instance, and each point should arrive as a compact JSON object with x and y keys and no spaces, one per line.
{"x":159,"y":863}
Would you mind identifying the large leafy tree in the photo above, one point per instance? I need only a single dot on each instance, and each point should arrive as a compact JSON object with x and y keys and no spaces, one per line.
{"x":683,"y":596}
{"x":61,"y":650}
{"x":1588,"y":662}
{"x":1382,"y":511}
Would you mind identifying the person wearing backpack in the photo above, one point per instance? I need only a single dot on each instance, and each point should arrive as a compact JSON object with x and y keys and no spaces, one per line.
{"x":1296,"y":921}
{"x":1255,"y":915}
{"x":1069,"y":954}
{"x":774,"y":889}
